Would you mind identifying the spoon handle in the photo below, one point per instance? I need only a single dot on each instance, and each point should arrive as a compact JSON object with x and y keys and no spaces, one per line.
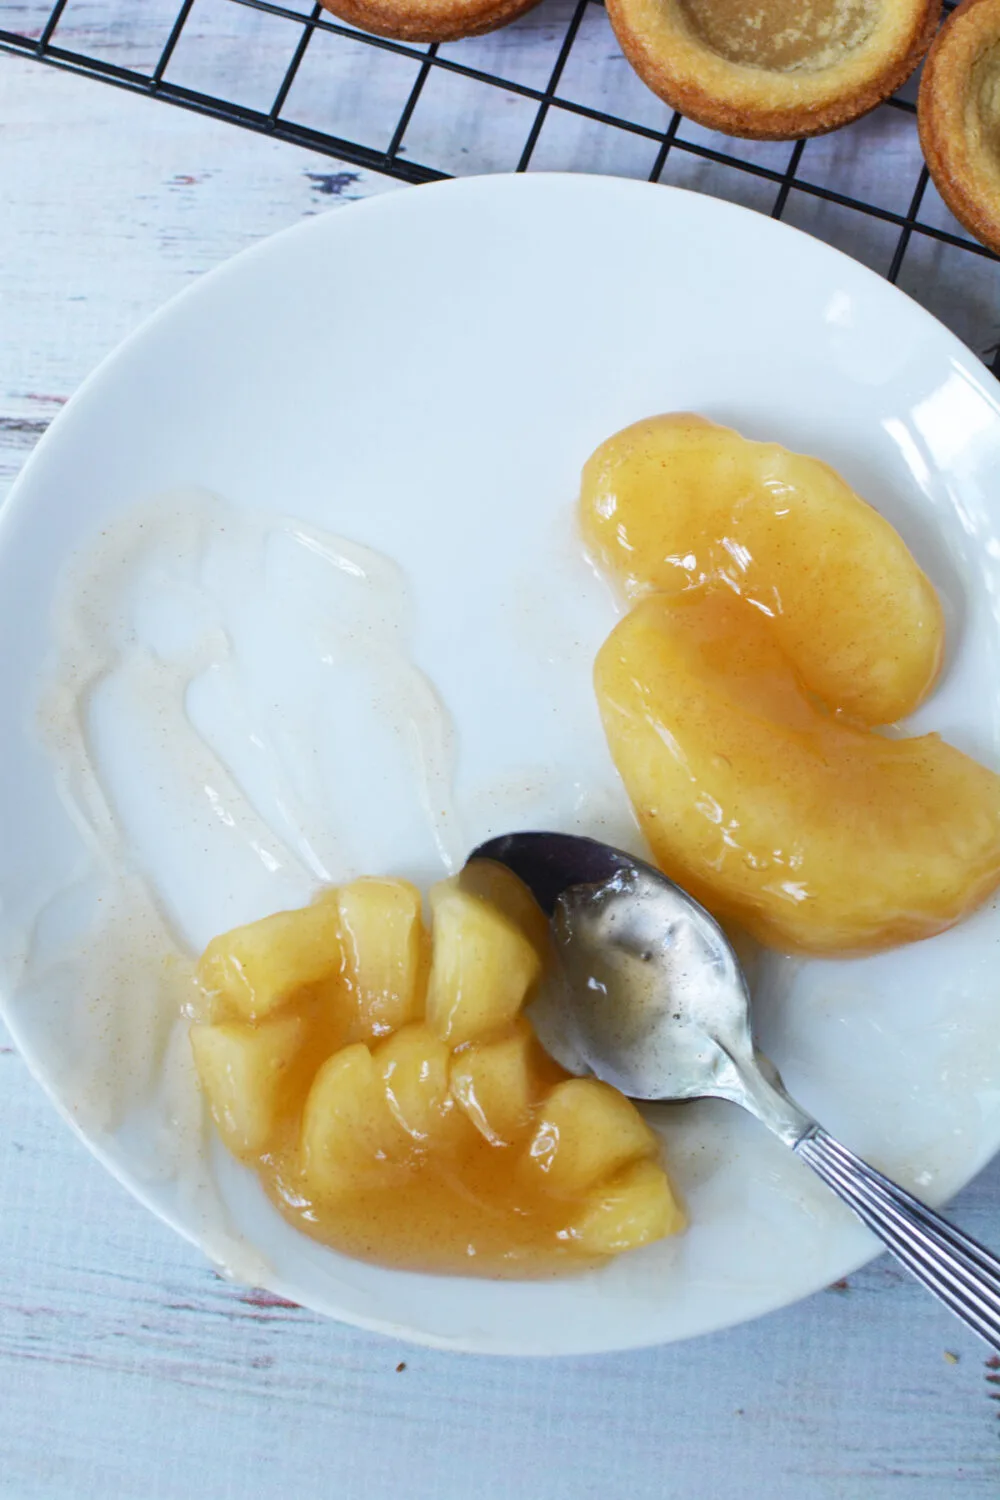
{"x":954,"y":1267}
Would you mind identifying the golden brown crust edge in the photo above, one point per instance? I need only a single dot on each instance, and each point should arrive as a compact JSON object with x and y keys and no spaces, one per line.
{"x":942,"y":136}
{"x":437,"y":20}
{"x":783,"y":124}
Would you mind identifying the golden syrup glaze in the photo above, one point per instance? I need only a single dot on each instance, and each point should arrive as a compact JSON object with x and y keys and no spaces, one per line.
{"x":453,"y":1202}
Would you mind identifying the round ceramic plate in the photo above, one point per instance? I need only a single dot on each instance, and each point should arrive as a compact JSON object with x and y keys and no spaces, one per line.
{"x":372,"y":649}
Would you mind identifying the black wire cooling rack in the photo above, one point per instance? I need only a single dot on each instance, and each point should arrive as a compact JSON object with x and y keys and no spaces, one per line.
{"x":550,"y":91}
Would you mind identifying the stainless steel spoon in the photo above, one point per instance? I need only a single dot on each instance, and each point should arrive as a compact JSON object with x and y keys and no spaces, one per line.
{"x":657,"y":1004}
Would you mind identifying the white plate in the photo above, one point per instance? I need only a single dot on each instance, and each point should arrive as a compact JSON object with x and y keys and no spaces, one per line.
{"x":425,"y":373}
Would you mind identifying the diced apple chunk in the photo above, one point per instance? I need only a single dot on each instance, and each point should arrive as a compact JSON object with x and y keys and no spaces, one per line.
{"x":259,"y":967}
{"x":242,"y":1070}
{"x":414,"y":1069}
{"x":346,"y":1125}
{"x":493,"y":882}
{"x":498,"y":1083}
{"x":635,"y":1208}
{"x":482,"y":967}
{"x":383,"y":941}
{"x":585,"y":1132}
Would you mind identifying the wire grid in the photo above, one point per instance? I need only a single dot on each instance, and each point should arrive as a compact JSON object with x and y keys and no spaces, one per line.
{"x":543,"y":98}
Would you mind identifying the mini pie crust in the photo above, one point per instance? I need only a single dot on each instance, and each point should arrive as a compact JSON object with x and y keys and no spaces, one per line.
{"x":679,"y":49}
{"x":958,"y":112}
{"x":428,"y":20}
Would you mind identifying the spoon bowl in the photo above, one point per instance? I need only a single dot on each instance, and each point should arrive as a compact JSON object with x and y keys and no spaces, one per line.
{"x":651,"y":998}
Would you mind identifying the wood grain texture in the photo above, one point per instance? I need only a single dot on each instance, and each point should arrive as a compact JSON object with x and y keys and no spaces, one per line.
{"x":128,"y":1368}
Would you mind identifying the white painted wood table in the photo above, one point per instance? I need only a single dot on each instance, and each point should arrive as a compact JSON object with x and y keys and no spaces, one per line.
{"x":127,"y":1367}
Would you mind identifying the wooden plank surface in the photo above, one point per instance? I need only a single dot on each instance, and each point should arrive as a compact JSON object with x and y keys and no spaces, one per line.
{"x":128,"y":1368}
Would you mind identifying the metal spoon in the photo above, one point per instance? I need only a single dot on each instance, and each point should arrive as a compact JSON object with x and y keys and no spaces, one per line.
{"x":657,"y":1005}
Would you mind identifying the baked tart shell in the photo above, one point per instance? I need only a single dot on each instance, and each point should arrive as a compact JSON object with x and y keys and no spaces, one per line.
{"x":965,"y":166}
{"x":770,"y":103}
{"x":428,"y":20}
